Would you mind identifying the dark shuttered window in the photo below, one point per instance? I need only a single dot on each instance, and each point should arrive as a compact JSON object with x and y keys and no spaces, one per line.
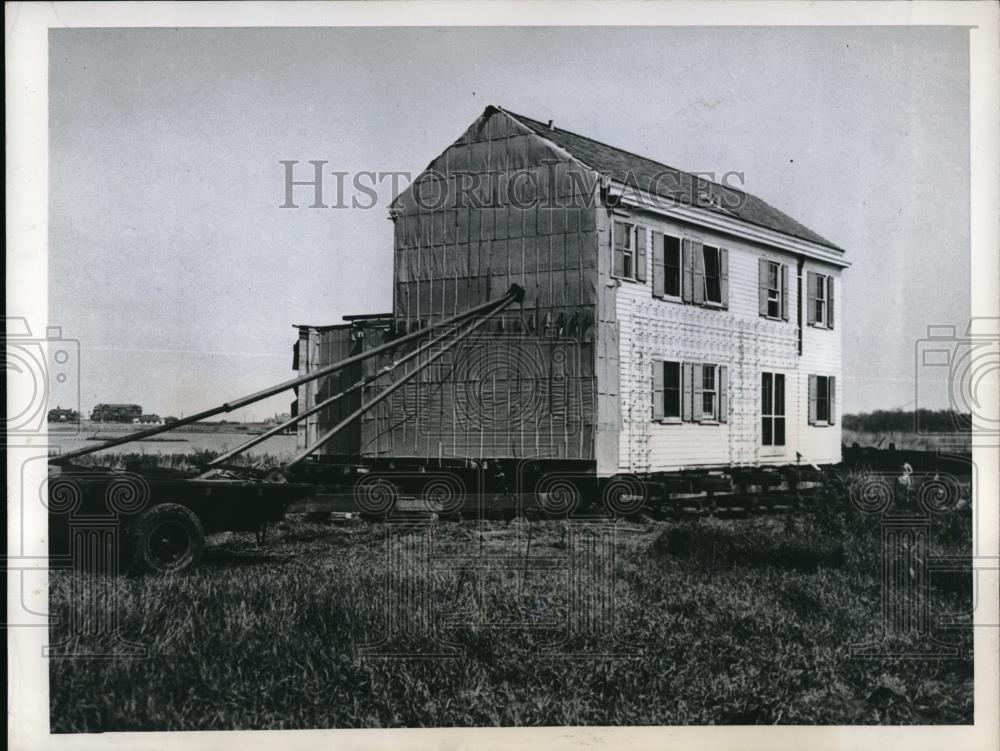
{"x":667,"y":392}
{"x":671,"y":266}
{"x":690,"y":392}
{"x":666,"y":266}
{"x":711,"y":269}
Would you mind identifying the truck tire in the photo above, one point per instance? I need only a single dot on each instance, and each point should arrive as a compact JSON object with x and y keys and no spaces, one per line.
{"x":165,"y":539}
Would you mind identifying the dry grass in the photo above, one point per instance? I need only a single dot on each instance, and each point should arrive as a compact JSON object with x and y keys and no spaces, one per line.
{"x":743,"y":621}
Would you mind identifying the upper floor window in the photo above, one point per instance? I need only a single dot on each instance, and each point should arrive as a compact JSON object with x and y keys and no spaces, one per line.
{"x":713,"y":274}
{"x":629,"y":258}
{"x":666,"y":266}
{"x":772,"y":285}
{"x":685,"y":270}
{"x":624,"y":259}
{"x":819,"y":304}
{"x":820,"y":300}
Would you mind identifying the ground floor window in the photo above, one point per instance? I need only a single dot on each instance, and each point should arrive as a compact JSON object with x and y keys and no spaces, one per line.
{"x":689,"y":392}
{"x":666,"y":390}
{"x":822,"y":399}
{"x":709,"y":393}
{"x":772,"y":409}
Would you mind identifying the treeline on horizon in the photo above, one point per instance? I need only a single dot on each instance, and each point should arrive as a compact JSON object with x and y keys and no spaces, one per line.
{"x":921,"y":420}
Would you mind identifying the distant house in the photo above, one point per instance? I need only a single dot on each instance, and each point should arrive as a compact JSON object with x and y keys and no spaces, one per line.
{"x":63,"y":415}
{"x":116,"y":412}
{"x":147,"y":420}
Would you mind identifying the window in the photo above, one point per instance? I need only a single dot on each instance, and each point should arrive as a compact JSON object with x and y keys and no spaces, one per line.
{"x":820,"y":303}
{"x":709,"y":393}
{"x":689,"y":392}
{"x":672,"y":265}
{"x":773,"y":409}
{"x":773,"y":289}
{"x":666,"y":390}
{"x":713,"y":275}
{"x":672,"y":390}
{"x":666,"y":266}
{"x":624,"y":257}
{"x":822,"y":399}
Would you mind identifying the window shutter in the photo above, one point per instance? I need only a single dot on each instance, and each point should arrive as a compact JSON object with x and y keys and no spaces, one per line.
{"x":724,"y":276}
{"x":810,"y":298}
{"x":784,"y":292}
{"x":829,"y":302}
{"x":697,"y":382}
{"x":698,"y":278}
{"x":640,"y":263}
{"x":833,"y":398}
{"x":618,"y":254}
{"x":723,"y":387}
{"x":762,"y":286}
{"x":657,"y":389}
{"x":686,"y":398}
{"x":687,"y":270}
{"x":812,"y":400}
{"x":659,"y":271}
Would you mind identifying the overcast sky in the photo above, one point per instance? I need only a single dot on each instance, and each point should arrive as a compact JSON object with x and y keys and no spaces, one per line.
{"x":172,"y":263}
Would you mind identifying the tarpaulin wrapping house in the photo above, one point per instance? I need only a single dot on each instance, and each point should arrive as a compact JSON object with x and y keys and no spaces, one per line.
{"x":668,"y":322}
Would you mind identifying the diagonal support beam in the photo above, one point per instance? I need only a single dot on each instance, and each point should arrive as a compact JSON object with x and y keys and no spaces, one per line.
{"x":514,"y":294}
{"x":319,"y":407}
{"x":394,"y":387}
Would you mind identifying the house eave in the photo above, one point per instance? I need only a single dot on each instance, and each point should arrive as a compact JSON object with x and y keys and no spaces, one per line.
{"x":643,"y":201}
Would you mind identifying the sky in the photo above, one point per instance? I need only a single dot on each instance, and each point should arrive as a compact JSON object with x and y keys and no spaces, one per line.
{"x":172,"y":264}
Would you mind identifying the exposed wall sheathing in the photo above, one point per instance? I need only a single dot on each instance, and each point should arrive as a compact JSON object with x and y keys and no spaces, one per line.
{"x":319,"y":347}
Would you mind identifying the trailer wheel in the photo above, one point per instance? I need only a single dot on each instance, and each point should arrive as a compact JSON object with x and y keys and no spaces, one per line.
{"x":166,"y":538}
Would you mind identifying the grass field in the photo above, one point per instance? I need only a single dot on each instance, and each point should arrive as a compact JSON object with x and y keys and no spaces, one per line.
{"x":715,"y":621}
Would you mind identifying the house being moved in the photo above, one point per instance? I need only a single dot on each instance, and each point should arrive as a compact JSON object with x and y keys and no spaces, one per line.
{"x":668,"y":322}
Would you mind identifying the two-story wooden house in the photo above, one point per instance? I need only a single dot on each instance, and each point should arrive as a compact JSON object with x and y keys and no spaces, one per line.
{"x":669,"y":322}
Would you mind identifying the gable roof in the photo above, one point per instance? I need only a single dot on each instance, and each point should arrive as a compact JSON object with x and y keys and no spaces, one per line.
{"x":638,"y":172}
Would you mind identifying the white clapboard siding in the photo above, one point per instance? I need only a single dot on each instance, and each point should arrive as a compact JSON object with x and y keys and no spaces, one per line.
{"x":747,"y":343}
{"x":821,"y":355}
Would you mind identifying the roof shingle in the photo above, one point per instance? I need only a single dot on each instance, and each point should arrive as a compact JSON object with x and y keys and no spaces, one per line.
{"x":668,"y":182}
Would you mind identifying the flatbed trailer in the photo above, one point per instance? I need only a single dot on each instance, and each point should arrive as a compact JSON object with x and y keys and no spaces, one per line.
{"x":159,"y":517}
{"x":162,"y":515}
